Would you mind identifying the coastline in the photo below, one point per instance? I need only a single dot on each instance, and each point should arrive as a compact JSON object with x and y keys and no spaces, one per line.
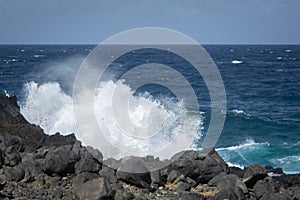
{"x":36,"y":165}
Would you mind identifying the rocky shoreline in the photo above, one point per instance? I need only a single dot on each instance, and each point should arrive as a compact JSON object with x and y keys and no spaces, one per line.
{"x":37,"y":166}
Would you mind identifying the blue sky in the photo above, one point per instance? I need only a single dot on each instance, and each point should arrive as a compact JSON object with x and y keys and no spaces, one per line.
{"x":207,"y":21}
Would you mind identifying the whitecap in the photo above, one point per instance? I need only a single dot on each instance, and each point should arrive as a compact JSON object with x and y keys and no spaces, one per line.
{"x":236,"y":111}
{"x":279,"y":58}
{"x":38,"y":56}
{"x":249,"y":143}
{"x":236,"y":62}
{"x":288,"y":50}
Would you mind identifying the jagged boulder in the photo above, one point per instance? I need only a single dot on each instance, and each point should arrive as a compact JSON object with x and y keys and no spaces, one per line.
{"x":60,"y":161}
{"x":134,"y":171}
{"x":96,"y":189}
{"x":254,"y":173}
{"x":199,"y":165}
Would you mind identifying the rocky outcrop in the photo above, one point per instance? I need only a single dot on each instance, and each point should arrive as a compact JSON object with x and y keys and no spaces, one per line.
{"x":37,"y":166}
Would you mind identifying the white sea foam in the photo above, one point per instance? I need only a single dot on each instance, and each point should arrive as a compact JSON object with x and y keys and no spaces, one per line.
{"x":291,"y":164}
{"x":51,"y":108}
{"x":6,"y":93}
{"x":236,"y":62}
{"x":235,"y":165}
{"x":249,"y":143}
{"x":236,"y":111}
{"x":288,"y":50}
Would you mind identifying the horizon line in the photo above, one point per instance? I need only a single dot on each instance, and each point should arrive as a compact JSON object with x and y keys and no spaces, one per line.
{"x":40,"y":44}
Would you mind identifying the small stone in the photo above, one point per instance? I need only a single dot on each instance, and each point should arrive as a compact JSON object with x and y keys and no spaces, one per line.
{"x":14,"y":173}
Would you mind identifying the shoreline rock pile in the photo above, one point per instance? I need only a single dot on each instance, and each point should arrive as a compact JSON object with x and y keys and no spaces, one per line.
{"x":37,"y":166}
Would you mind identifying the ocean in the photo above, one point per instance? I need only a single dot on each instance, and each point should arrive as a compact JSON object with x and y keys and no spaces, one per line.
{"x":262,"y":84}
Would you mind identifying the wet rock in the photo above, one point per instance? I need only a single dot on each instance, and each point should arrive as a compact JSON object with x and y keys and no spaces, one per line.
{"x":10,"y":110}
{"x":199,"y":165}
{"x":60,"y":161}
{"x":96,"y":189}
{"x":273,"y":170}
{"x":254,"y":173}
{"x":133,"y":170}
{"x":237,"y":171}
{"x":288,"y":180}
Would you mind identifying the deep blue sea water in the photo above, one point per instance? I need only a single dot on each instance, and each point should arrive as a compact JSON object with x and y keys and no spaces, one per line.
{"x":262,"y":85}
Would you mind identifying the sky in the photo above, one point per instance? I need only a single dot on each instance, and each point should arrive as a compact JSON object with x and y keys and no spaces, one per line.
{"x":92,"y":21}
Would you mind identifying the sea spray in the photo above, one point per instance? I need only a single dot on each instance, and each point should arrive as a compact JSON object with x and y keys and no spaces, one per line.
{"x":48,"y":106}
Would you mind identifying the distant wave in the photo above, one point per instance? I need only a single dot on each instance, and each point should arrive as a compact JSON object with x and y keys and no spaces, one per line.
{"x":251,"y":152}
{"x":236,"y":62}
{"x":239,"y":112}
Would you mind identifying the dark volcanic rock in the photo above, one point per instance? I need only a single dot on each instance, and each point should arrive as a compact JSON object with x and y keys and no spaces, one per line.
{"x":37,"y":166}
{"x":82,"y":178}
{"x":254,"y":173}
{"x":231,"y":187}
{"x":140,"y":178}
{"x":294,"y":192}
{"x":264,"y":188}
{"x":237,"y":171}
{"x":273,"y":170}
{"x":10,"y":111}
{"x":96,"y":189}
{"x":60,"y":161}
{"x":173,"y":175}
{"x":15,"y":173}
{"x":58,"y":140}
{"x":12,"y":156}
{"x":32,"y":168}
{"x":87,"y":165}
{"x":109,"y":174}
{"x":199,"y":165}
